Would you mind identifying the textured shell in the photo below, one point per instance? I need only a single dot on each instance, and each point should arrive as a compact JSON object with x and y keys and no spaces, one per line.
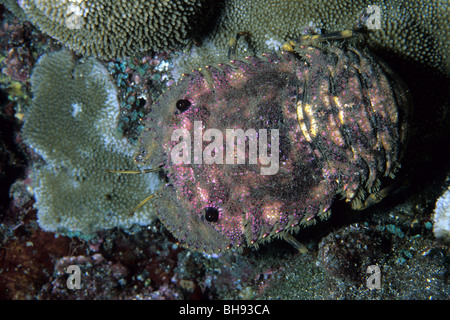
{"x":341,"y":118}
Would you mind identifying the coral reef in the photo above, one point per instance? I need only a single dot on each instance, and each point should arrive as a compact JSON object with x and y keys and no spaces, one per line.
{"x":19,"y":57}
{"x":139,"y":81}
{"x":14,"y":7}
{"x":20,"y":45}
{"x":340,"y":121}
{"x":414,"y":30}
{"x":345,"y":254}
{"x":114,"y":265}
{"x":97,"y":274}
{"x":26,"y":258}
{"x":441,"y":223}
{"x":145,"y":262}
{"x":412,"y":268}
{"x":107,"y":29}
{"x":70,"y":124}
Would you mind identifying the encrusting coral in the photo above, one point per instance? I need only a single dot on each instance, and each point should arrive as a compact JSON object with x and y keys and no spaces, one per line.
{"x":108,"y":28}
{"x":71,"y":125}
{"x":414,"y":30}
{"x":14,"y":7}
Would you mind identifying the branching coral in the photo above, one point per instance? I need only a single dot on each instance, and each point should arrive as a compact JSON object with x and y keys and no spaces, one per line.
{"x":71,"y":125}
{"x":109,"y":28}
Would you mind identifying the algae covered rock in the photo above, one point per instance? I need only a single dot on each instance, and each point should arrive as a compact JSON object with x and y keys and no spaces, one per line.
{"x":72,"y":125}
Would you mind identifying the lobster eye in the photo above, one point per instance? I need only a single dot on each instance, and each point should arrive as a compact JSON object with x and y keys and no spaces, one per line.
{"x":183,"y":105}
{"x":211,"y":214}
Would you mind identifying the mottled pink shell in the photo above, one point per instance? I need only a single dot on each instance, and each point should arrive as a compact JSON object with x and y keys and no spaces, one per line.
{"x":341,"y":120}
